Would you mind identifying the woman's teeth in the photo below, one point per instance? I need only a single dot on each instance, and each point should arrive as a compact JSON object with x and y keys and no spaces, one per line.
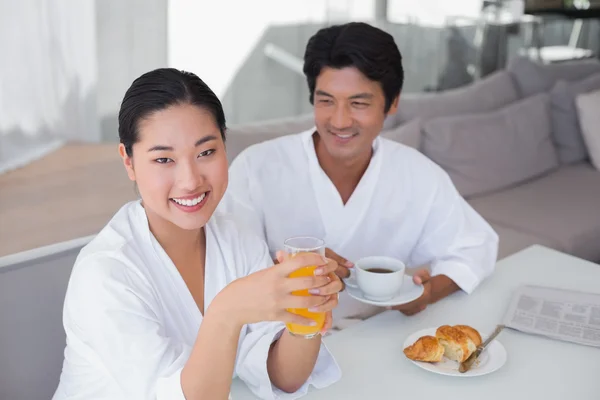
{"x":190,"y":202}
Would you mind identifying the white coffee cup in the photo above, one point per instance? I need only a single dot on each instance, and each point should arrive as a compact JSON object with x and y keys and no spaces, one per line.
{"x":379,"y":286}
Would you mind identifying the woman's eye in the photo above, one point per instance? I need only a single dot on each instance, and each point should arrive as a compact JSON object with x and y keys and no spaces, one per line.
{"x":206,"y":153}
{"x":163,"y":160}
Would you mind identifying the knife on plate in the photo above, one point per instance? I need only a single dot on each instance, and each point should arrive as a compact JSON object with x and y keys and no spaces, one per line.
{"x":468,"y":363}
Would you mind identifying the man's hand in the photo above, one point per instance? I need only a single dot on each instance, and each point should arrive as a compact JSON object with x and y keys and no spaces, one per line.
{"x":434,"y":289}
{"x":416,"y":306}
{"x":343,"y":270}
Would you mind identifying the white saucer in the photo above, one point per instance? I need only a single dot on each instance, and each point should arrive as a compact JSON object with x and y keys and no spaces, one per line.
{"x":490,"y":360}
{"x":409,"y":292}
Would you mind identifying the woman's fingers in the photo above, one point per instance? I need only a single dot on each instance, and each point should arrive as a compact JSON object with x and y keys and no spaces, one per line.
{"x":328,"y":305}
{"x":306,"y":282}
{"x":334,"y":286}
{"x":328,"y":323}
{"x":293,"y":301}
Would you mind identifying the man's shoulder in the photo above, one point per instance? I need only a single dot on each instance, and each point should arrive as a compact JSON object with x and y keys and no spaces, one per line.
{"x":398,"y":155}
{"x":272,"y":152}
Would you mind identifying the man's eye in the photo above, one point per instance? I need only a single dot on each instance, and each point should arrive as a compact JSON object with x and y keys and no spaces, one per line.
{"x":163,"y":160}
{"x":206,"y":153}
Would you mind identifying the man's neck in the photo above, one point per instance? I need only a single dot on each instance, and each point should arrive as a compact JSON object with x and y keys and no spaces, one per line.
{"x":344,"y":174}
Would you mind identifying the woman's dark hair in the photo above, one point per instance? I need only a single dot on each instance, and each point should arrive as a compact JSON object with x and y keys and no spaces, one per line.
{"x":159,"y":89}
{"x":371,"y":50}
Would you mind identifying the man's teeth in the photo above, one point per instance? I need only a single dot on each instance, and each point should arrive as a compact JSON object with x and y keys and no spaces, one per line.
{"x":190,"y":202}
{"x":344,"y":136}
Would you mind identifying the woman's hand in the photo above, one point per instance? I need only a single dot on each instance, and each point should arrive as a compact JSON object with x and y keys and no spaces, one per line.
{"x":266,"y":295}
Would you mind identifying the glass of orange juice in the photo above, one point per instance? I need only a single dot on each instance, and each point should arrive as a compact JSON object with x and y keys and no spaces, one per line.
{"x":295,"y":246}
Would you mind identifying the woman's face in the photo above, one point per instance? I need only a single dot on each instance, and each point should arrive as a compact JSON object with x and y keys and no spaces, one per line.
{"x":180,"y":165}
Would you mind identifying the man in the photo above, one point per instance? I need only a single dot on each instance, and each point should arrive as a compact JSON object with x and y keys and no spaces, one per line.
{"x":363,"y":194}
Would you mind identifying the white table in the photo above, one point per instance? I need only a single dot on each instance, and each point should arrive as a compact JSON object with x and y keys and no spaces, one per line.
{"x":374,"y":366}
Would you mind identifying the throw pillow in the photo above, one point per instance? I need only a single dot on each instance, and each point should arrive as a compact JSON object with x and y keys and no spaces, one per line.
{"x":532,"y":78}
{"x":408,"y":134}
{"x":588,"y":108}
{"x":483,"y":153}
{"x":490,"y":93}
{"x":565,"y":122}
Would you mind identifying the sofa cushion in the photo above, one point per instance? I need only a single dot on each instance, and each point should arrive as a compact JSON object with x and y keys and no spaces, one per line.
{"x":408,"y":134}
{"x":240,"y":137}
{"x":562,"y":207}
{"x":588,"y":109}
{"x":490,"y":93}
{"x":532,"y":78}
{"x":512,"y":241}
{"x":492,"y":151}
{"x":566,"y":130}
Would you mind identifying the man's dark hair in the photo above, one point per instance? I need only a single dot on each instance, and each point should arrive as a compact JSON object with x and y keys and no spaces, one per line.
{"x":356,"y":44}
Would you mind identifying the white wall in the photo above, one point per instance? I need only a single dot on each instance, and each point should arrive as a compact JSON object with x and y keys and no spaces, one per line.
{"x":48,"y":77}
{"x":213,"y":39}
{"x":131,"y":40}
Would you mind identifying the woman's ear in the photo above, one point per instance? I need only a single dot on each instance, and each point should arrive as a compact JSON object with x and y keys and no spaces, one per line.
{"x":127,"y":162}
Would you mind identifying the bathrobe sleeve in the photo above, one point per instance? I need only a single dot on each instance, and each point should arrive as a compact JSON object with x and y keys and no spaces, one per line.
{"x":254,"y":350}
{"x":111,"y":316}
{"x":455,"y":239}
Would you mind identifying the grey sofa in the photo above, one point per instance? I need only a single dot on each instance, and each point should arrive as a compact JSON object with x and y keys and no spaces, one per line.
{"x":512,"y":145}
{"x":32,"y":339}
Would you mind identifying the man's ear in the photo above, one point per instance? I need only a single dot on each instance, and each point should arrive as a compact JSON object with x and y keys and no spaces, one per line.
{"x":394,"y":106}
{"x":127,"y":162}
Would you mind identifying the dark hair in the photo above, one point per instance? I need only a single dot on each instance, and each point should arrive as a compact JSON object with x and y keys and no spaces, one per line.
{"x":159,"y":89}
{"x":371,"y":50}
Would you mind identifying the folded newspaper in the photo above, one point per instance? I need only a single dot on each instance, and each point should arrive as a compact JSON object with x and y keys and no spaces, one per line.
{"x":556,"y":313}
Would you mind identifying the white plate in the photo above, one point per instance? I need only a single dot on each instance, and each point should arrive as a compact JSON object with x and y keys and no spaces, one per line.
{"x":490,"y":360}
{"x":409,"y":292}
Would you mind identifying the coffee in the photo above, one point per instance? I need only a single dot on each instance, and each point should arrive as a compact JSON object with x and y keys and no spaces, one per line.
{"x":379,"y":270}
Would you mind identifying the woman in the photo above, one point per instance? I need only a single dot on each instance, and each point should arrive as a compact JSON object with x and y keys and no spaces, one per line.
{"x":170,"y":301}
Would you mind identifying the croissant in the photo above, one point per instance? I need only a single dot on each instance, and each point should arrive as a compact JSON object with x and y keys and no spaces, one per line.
{"x":426,"y":348}
{"x":471,"y":333}
{"x":458,"y":345}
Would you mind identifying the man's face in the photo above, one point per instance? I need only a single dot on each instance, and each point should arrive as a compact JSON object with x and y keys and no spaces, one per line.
{"x":349,"y":111}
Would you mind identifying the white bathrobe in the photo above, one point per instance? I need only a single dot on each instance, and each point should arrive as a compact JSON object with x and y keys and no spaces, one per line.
{"x":405,"y":206}
{"x":131,"y":321}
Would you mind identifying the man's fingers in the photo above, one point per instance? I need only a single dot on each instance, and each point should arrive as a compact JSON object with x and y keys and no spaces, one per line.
{"x":414,"y":310}
{"x":421,"y":276}
{"x":339,"y":259}
{"x":409,"y":309}
{"x":342,"y":272}
{"x":326,"y":269}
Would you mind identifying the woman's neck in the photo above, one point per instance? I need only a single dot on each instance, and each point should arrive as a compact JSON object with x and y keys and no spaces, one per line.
{"x":178,"y":243}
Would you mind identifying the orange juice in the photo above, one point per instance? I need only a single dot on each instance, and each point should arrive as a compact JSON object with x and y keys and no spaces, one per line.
{"x":305,"y":330}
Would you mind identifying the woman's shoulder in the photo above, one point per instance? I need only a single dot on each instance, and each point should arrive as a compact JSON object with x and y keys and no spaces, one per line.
{"x":115,"y":253}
